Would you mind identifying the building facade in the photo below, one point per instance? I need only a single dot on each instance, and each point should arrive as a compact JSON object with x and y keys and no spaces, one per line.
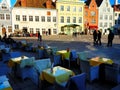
{"x":91,"y":16}
{"x":106,"y":17}
{"x":116,"y":17}
{"x":5,"y":18}
{"x":70,"y":16}
{"x":32,"y":20}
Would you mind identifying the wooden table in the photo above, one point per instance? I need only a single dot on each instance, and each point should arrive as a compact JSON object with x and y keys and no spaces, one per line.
{"x":99,"y":60}
{"x":58,"y":74}
{"x":17,"y":60}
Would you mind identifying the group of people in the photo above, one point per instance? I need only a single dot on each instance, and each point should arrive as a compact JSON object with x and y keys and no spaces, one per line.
{"x":97,"y":38}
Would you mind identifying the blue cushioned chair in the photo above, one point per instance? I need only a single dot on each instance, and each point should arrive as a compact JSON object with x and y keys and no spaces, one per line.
{"x":72,"y":57}
{"x":91,"y":71}
{"x":112,"y":73}
{"x":26,"y":70}
{"x":56,"y":60}
{"x":15,"y":54}
{"x":40,"y":53}
{"x":77,"y":82}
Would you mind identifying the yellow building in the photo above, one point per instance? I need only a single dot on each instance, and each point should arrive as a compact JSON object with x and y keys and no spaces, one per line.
{"x":70,"y":16}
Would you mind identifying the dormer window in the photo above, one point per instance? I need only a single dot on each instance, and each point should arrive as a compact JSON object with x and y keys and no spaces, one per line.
{"x":4,"y":6}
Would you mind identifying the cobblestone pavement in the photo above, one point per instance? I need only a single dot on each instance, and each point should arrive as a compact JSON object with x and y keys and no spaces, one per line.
{"x":81,"y":43}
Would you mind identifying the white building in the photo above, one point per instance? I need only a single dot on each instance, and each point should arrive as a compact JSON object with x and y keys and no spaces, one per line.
{"x":116,"y":16}
{"x":105,"y":19}
{"x":32,"y":20}
{"x":5,"y":18}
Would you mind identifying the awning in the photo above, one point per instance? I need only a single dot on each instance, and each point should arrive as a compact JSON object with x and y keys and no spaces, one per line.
{"x":93,"y":27}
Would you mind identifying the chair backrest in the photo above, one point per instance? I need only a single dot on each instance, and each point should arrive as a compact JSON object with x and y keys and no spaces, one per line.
{"x":27,"y":62}
{"x":77,"y":82}
{"x":15,"y":54}
{"x":56,"y":60}
{"x":84,"y":66}
{"x":83,"y":55}
{"x":73,"y":55}
{"x":42,"y":64}
{"x":112,"y":73}
{"x":41,"y":53}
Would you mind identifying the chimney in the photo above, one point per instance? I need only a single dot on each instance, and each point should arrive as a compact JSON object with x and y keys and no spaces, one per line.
{"x":49,"y":4}
{"x":23,"y":3}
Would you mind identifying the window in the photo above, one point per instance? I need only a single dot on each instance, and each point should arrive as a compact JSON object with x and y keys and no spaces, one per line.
{"x":54,"y":31}
{"x":43,"y":31}
{"x":93,"y":21}
{"x":48,"y":19}
{"x":110,"y":17}
{"x":37,"y":30}
{"x":80,"y":9}
{"x":110,"y":24}
{"x":115,"y":14}
{"x":30,"y":18}
{"x":4,"y":6}
{"x":62,"y":19}
{"x":24,"y":18}
{"x":61,"y":8}
{"x":68,"y":8}
{"x":108,"y":9}
{"x":80,"y":20}
{"x":86,"y":13}
{"x":43,"y":18}
{"x":92,"y":13}
{"x":104,"y":9}
{"x":31,"y":30}
{"x":37,"y":18}
{"x":54,"y":19}
{"x":74,"y":19}
{"x":105,"y":24}
{"x":101,"y":24}
{"x":7,"y":16}
{"x":17,"y":17}
{"x":68,"y":19}
{"x":16,"y":26}
{"x":101,"y":17}
{"x":2,"y":16}
{"x":9,"y":28}
{"x":74,"y":9}
{"x":106,"y":17}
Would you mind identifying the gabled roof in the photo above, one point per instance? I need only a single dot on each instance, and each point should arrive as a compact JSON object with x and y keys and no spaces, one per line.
{"x":37,"y":3}
{"x":98,"y":2}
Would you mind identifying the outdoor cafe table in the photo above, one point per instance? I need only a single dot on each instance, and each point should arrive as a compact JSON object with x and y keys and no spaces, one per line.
{"x":58,"y":74}
{"x":4,"y":83}
{"x":64,"y":54}
{"x":99,"y":60}
{"x":16,"y":60}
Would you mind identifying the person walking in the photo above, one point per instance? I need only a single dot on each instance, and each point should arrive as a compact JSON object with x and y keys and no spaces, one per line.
{"x":38,"y":36}
{"x":99,"y":37}
{"x":94,"y":37}
{"x":110,"y":38}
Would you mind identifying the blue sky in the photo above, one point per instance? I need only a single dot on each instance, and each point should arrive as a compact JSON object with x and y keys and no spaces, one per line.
{"x":13,"y":2}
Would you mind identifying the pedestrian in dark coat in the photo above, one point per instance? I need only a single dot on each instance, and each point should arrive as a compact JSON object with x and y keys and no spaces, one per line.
{"x":39,"y":37}
{"x":99,"y":37}
{"x":95,"y":37}
{"x":110,"y":38}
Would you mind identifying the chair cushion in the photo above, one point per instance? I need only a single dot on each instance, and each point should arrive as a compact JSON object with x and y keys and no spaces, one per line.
{"x":42,"y":64}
